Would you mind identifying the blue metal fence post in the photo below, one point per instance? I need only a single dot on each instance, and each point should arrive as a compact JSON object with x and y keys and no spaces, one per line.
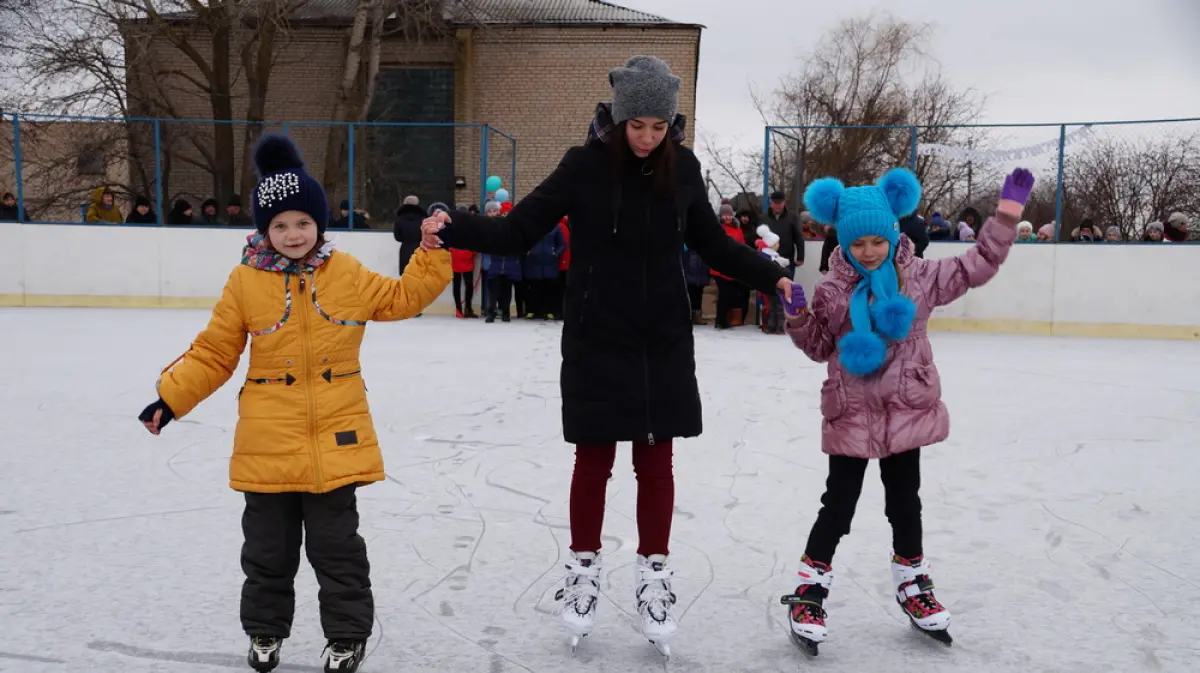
{"x":512,"y":182}
{"x":1058,"y":197}
{"x":912,"y":150}
{"x":287,"y":130}
{"x":350,"y":177}
{"x":16,"y":124}
{"x":483,"y":164}
{"x":158,"y":178}
{"x":766,"y":167}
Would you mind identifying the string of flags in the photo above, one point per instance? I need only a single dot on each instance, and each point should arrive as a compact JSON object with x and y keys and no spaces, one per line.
{"x":1082,"y":134}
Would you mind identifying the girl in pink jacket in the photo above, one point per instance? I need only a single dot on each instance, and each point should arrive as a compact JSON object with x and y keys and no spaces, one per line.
{"x":882,"y":398}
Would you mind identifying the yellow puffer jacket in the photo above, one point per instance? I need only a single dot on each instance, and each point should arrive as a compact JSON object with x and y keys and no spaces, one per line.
{"x":96,"y":212}
{"x":303,"y":421}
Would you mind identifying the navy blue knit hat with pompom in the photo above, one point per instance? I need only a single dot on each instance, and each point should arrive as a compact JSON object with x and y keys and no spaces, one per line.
{"x":284,"y":185}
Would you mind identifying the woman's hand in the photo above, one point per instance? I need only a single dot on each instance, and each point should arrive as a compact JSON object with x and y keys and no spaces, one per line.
{"x":429,"y":229}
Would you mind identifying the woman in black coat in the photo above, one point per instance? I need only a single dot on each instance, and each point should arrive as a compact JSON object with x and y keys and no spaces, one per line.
{"x":635,"y":197}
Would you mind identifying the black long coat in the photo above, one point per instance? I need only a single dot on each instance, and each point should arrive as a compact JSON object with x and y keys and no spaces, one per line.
{"x":629,"y":365}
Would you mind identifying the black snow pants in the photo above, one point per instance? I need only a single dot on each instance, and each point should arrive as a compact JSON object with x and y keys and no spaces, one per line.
{"x":274,"y":525}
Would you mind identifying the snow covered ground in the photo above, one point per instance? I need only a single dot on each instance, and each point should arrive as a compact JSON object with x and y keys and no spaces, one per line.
{"x":1061,"y":516}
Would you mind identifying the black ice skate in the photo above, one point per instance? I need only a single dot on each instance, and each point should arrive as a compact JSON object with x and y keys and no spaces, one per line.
{"x":264,"y":653}
{"x":344,"y":656}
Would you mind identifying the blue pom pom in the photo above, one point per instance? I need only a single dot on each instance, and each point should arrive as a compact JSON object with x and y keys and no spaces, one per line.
{"x":893,"y":317}
{"x":862,"y":352}
{"x":275,"y":154}
{"x":902,"y":190}
{"x":821,"y":199}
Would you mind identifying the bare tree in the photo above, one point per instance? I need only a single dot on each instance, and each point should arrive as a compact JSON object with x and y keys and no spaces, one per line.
{"x":854,"y":103}
{"x":1130,"y":183}
{"x":413,"y":22}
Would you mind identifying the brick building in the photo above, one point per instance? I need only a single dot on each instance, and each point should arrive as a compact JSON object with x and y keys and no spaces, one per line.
{"x":534,"y":69}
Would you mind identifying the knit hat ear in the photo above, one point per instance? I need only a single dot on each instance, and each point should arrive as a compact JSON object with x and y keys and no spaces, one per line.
{"x":902,"y":191}
{"x":821,"y":199}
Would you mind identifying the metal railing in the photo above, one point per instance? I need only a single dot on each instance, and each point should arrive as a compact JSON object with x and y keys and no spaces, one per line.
{"x":1126,"y":174}
{"x":52,"y":163}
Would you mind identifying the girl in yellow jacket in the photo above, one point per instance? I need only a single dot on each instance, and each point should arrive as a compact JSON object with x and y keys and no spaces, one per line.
{"x":304,"y":438}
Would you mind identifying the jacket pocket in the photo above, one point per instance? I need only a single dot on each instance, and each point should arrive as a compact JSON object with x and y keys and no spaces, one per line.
{"x":833,"y":398}
{"x":920,"y":385}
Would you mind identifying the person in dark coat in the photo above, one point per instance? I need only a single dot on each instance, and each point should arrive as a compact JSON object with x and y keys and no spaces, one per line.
{"x":698,"y":276}
{"x":141,"y":213}
{"x":181,"y":213}
{"x":235,"y":216}
{"x":540,"y":273}
{"x":635,"y":196}
{"x":408,"y":219}
{"x":914,"y":228}
{"x":8,"y":209}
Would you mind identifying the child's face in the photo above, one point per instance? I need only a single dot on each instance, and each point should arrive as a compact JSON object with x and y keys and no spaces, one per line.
{"x":1043,"y":236}
{"x":1112,"y":237}
{"x":1155,"y":235}
{"x":727,"y":219}
{"x":293,"y":234}
{"x":143,"y":209}
{"x":870,"y":251}
{"x":107,"y":200}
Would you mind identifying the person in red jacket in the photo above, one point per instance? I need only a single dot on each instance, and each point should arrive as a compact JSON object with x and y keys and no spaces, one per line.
{"x":462,"y":263}
{"x":731,"y":295}
{"x":564,"y":263}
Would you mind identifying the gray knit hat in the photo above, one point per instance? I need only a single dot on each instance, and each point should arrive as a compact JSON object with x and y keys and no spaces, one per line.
{"x":644,"y":87}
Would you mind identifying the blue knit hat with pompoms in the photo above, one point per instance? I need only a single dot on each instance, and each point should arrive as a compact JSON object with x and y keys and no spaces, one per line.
{"x":877,"y":309}
{"x":284,"y":185}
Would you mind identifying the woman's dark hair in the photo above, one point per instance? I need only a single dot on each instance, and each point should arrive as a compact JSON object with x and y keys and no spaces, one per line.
{"x":661,"y":161}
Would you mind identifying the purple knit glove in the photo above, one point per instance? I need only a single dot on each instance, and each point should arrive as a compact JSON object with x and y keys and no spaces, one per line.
{"x":1017,"y":186}
{"x":796,"y":305}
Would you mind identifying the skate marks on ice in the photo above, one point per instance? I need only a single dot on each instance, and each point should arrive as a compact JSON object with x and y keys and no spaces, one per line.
{"x":232,"y":661}
{"x":31,"y":658}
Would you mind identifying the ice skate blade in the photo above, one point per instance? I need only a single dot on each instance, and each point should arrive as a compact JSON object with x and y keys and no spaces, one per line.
{"x":574,"y":640}
{"x":662,"y":647}
{"x":942,"y":636}
{"x":810,"y":648}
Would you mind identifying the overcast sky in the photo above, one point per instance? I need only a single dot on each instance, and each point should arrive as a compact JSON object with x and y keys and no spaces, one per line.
{"x":1035,"y":60}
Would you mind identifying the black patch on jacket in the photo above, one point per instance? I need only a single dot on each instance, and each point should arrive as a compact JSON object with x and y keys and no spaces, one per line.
{"x":347,"y":438}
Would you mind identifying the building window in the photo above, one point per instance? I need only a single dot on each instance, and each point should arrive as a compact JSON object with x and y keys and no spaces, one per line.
{"x":90,"y":160}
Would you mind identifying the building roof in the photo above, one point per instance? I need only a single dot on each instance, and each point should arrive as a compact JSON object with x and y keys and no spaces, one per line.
{"x":498,"y":12}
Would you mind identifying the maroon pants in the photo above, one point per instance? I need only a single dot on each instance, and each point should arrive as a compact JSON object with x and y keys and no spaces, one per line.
{"x":655,"y":495}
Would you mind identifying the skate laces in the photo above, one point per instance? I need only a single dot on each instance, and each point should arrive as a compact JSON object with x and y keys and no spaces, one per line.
{"x":264,"y":642}
{"x":924,"y":603}
{"x":342,"y":648}
{"x":654,"y":594}
{"x":582,"y":586}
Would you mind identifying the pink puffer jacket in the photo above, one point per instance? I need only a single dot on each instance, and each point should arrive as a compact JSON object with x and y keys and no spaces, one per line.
{"x":899,"y":407}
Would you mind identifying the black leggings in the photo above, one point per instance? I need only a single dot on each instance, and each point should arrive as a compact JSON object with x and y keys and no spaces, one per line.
{"x":730,"y":295}
{"x":499,"y":295}
{"x":460,"y":279}
{"x":901,"y":474}
{"x":696,"y":294}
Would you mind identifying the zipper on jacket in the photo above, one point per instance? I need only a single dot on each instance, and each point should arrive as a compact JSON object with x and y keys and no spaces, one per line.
{"x":645,"y":308}
{"x":314,"y":449}
{"x":345,"y":374}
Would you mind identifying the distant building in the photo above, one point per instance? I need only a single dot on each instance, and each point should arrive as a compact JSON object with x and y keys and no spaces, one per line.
{"x":534,"y":69}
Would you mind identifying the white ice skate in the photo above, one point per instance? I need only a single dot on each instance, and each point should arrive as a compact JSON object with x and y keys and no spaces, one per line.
{"x":580,"y":595}
{"x":914,"y":593}
{"x":806,"y":607}
{"x":656,"y":602}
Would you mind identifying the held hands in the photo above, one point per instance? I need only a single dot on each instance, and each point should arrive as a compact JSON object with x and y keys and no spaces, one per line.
{"x":429,"y":229}
{"x":156,"y":416}
{"x":1015,"y":193}
{"x":794,"y":304}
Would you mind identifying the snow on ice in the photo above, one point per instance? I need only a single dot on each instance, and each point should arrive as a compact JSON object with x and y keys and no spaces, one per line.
{"x":1060,"y":517}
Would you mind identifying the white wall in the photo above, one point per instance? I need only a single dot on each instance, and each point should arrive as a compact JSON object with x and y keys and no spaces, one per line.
{"x":1129,"y":290}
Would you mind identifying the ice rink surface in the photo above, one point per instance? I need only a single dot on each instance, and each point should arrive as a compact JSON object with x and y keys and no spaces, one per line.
{"x":1060,"y":517}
